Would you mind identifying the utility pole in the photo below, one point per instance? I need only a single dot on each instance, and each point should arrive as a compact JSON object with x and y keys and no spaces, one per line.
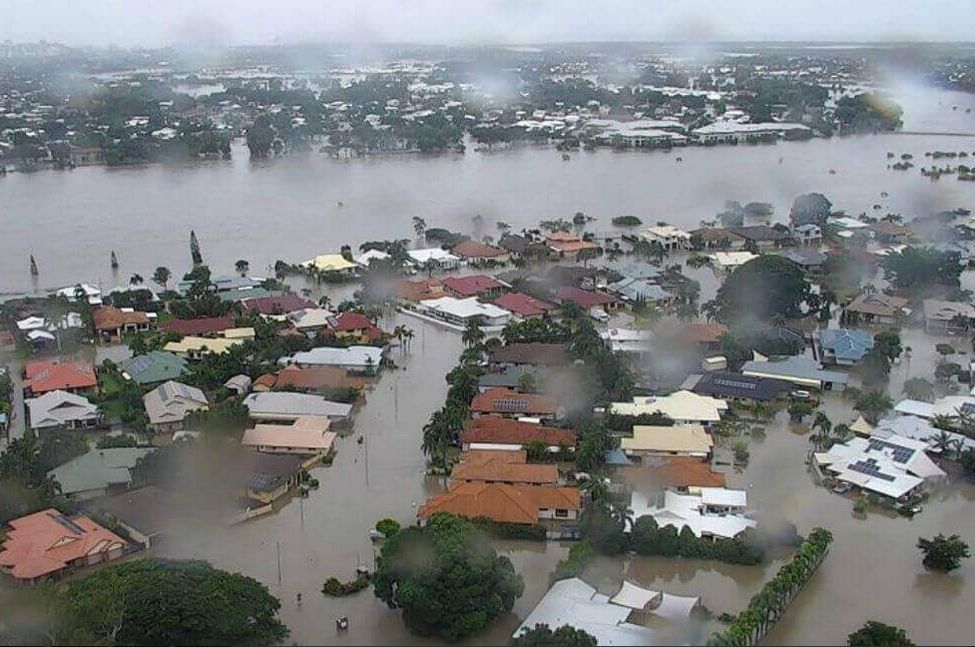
{"x":278,"y":544}
{"x":365,"y":444}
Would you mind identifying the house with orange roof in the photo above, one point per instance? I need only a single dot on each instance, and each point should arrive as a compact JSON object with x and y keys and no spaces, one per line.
{"x":44,"y":376}
{"x":550,"y":507}
{"x":416,"y":291}
{"x":354,"y":326}
{"x":563,"y":243}
{"x":509,"y":403}
{"x":48,"y":544}
{"x":503,"y":467}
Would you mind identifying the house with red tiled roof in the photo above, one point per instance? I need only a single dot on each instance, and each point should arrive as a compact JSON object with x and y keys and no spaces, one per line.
{"x":479,"y":285}
{"x":523,"y":305}
{"x":503,"y":434}
{"x":354,"y":326}
{"x":551,"y":507}
{"x":587,"y":299}
{"x":111,"y":322}
{"x":277,"y":305}
{"x":204,"y":327}
{"x":48,"y":544}
{"x":45,"y":376}
{"x":509,"y":403}
{"x":480,"y":252}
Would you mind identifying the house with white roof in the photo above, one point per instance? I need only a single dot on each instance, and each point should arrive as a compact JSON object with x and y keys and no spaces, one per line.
{"x":62,"y":410}
{"x":286,"y":406}
{"x":627,"y":340}
{"x":893,"y":466}
{"x":668,"y":236}
{"x":920,"y":429}
{"x":633,"y":616}
{"x":435,"y":256}
{"x":459,"y":311}
{"x":950,"y":405}
{"x":370,"y":255}
{"x":683,"y":407}
{"x":667,"y":440}
{"x":708,"y":512}
{"x":354,"y":359}
{"x":731,"y":260}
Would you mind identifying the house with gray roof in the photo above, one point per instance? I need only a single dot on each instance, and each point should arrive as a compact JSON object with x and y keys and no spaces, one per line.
{"x":800,"y":371}
{"x":286,"y":406}
{"x":354,"y":359}
{"x":806,"y":258}
{"x":170,"y":402}
{"x":154,"y":367}
{"x":842,"y":346}
{"x":639,"y":291}
{"x":62,"y":410}
{"x":98,"y":472}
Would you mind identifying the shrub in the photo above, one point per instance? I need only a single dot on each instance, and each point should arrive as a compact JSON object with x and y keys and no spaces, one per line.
{"x":388,"y":527}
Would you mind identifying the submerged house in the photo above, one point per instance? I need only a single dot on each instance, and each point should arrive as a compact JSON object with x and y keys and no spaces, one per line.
{"x":842,"y":346}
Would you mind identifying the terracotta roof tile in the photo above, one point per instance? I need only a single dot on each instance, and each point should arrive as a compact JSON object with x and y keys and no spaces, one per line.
{"x":502,"y":431}
{"x":501,"y":503}
{"x":508,"y":401}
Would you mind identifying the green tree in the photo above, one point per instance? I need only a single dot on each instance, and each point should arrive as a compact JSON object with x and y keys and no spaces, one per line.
{"x":419,"y":226}
{"x":764,"y":287}
{"x":799,"y":409}
{"x":473,"y":335}
{"x":917,"y":388}
{"x":876,"y":367}
{"x":446,"y":577}
{"x":888,"y":343}
{"x":565,"y":636}
{"x":260,"y":136}
{"x":167,"y":602}
{"x":161,"y":276}
{"x":873,"y":404}
{"x":440,"y":433}
{"x":242,"y":267}
{"x":878,"y":634}
{"x":943,"y":553}
{"x":810,"y":208}
{"x":388,"y":527}
{"x":922,"y":267}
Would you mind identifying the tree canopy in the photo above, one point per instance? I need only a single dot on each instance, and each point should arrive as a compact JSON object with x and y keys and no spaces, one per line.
{"x":446,"y":577}
{"x":943,"y":553}
{"x":878,"y":634}
{"x":763,"y":288}
{"x":810,"y":209}
{"x":169,"y":602}
{"x":565,"y":636}
{"x":918,"y":267}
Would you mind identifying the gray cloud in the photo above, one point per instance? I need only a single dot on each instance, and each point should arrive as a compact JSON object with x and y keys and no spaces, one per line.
{"x":120,"y":22}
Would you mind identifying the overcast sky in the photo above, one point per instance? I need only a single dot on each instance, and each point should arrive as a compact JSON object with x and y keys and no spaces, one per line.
{"x":136,"y":22}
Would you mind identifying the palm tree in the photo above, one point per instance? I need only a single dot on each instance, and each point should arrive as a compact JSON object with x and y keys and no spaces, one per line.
{"x":943,"y":442}
{"x":872,"y":405}
{"x":324,"y":302}
{"x":621,"y":514}
{"x":135,"y":279}
{"x":438,"y":435}
{"x":242,"y":267}
{"x":161,"y":276}
{"x":596,"y":487}
{"x":419,"y":226}
{"x":408,"y":336}
{"x":943,"y":421}
{"x":472,"y":335}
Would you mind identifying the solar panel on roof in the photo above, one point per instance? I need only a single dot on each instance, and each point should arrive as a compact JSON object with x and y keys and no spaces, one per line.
{"x":870,"y":469}
{"x":736,"y":384}
{"x":510,"y":405}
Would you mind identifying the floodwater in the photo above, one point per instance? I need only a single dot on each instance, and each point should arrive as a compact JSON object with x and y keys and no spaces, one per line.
{"x":289,"y":208}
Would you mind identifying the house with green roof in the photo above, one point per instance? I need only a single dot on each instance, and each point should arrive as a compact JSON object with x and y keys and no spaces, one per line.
{"x":155,"y":367}
{"x":98,"y":472}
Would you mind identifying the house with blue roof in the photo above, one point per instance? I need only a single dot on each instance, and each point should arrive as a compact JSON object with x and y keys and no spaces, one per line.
{"x":843,"y":347}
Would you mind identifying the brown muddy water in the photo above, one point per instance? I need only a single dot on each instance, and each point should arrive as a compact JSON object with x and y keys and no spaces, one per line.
{"x":289,"y":208}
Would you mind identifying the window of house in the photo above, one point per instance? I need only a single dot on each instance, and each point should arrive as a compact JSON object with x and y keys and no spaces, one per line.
{"x":561,"y":513}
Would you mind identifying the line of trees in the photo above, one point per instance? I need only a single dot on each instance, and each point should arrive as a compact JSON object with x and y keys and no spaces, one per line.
{"x":768,"y":605}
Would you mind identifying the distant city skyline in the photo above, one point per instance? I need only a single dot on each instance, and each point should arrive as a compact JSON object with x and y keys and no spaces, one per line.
{"x":243,"y":22}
